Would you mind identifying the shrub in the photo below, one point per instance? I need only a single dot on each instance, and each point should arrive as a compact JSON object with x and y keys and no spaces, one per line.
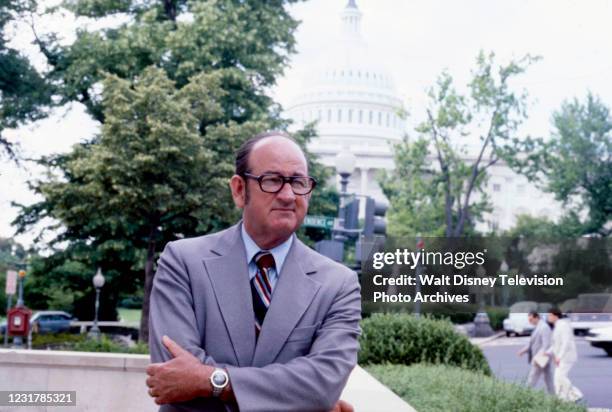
{"x":59,"y":341}
{"x":404,"y":339}
{"x":108,"y":345}
{"x":456,"y":313}
{"x":81,"y":343}
{"x":443,"y":388}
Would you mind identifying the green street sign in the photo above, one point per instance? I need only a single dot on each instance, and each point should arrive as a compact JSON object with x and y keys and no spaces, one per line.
{"x":321,"y":222}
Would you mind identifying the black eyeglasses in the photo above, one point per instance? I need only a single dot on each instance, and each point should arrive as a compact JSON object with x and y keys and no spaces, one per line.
{"x":274,"y":183}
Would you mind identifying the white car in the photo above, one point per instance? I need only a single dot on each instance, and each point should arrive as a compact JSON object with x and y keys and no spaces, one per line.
{"x":593,"y":310}
{"x":601,"y":338}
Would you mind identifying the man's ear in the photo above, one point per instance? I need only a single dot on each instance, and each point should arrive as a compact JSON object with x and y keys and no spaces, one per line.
{"x":238,"y":187}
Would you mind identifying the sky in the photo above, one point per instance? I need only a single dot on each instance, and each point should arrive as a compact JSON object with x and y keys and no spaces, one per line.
{"x":416,"y":39}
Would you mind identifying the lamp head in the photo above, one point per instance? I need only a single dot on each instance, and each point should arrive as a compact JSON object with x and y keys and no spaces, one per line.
{"x":345,"y":162}
{"x":98,"y":280}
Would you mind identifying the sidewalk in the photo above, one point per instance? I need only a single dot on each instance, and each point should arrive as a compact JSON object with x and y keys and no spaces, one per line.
{"x":367,"y":394}
{"x":482,"y":341}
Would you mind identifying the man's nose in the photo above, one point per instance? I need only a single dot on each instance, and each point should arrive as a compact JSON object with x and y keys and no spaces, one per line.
{"x":286,"y":193}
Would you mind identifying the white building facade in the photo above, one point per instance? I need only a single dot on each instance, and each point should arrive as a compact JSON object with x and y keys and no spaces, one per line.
{"x":357,"y":108}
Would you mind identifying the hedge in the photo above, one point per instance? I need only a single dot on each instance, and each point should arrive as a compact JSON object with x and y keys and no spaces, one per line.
{"x":456,"y":313}
{"x":446,"y":388}
{"x":82,"y":343}
{"x":404,"y":339}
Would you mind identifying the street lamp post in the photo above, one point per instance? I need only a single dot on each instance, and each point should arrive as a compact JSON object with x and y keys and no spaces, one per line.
{"x":22,"y":274}
{"x":18,"y":340}
{"x":503,"y":268}
{"x":419,"y":271}
{"x":345,"y":165}
{"x":482,"y":325}
{"x":98,"y":282}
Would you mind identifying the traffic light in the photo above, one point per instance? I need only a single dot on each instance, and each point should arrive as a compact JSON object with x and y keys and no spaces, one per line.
{"x":351,"y":215}
{"x":375,"y":223}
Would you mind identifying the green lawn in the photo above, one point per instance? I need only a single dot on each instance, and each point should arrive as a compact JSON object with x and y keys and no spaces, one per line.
{"x":129,"y":315}
{"x":432,"y":388}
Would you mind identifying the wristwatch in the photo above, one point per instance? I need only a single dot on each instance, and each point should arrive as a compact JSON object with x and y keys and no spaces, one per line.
{"x":219,"y":380}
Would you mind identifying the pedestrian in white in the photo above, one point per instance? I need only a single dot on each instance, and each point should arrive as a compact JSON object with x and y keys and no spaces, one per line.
{"x":539,"y":342}
{"x":563,"y":351}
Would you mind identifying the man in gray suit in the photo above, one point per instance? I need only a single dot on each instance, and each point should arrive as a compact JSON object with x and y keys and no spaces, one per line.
{"x":539,"y":342}
{"x":250,"y":318}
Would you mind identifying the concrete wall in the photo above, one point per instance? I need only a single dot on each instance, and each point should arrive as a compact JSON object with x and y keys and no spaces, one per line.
{"x":116,"y":382}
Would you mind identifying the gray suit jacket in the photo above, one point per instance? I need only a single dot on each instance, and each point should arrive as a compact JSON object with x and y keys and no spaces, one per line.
{"x":539,"y":340}
{"x":307,"y":347}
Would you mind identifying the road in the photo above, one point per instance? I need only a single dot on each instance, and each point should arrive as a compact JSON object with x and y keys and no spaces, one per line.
{"x":592,"y":373}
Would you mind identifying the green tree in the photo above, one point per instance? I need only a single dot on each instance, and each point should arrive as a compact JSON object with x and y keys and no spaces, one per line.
{"x":248,"y":43}
{"x":543,"y":228}
{"x":24,"y":93}
{"x":184,"y":86}
{"x":417,"y":203}
{"x":437,"y":188}
{"x":575,"y":164}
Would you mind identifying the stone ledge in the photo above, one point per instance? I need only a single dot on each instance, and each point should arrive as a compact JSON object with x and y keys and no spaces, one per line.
{"x":89,"y":360}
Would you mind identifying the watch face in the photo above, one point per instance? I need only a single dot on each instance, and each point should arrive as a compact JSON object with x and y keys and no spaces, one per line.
{"x":219,"y":378}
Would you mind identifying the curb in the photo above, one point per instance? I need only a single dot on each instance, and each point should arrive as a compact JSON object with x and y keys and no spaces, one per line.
{"x":487,"y":340}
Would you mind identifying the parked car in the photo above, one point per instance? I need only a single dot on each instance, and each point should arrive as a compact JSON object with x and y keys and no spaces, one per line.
{"x":517,"y":322}
{"x":51,"y":321}
{"x":593,"y":310}
{"x":47,"y":321}
{"x":601,"y":338}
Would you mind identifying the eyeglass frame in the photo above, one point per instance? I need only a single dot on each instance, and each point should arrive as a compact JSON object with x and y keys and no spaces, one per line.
{"x":286,"y":179}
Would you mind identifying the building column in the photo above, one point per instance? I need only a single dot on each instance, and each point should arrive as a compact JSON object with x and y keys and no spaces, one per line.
{"x":364,"y":180}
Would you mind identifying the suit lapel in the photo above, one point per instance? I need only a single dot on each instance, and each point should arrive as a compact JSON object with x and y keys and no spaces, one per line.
{"x":291,"y":297}
{"x":230,"y":279}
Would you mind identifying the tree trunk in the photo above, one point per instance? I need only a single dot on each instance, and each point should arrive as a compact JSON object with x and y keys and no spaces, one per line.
{"x":143,"y":335}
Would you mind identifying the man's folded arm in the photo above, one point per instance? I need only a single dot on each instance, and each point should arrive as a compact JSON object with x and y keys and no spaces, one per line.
{"x":312,"y":382}
{"x":171,"y":309}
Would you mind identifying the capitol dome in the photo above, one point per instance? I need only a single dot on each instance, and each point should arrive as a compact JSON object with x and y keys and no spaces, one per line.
{"x":351,"y":96}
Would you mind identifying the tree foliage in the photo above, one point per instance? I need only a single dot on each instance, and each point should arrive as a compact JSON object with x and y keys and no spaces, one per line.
{"x":575,"y":164}
{"x":437,"y":187}
{"x":24,"y":93}
{"x":248,"y":43}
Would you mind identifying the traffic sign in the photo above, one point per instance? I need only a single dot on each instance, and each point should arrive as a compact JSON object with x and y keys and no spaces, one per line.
{"x":321,"y":222}
{"x":11,"y":282}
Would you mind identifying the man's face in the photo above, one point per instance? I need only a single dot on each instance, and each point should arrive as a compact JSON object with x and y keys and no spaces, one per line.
{"x":532,"y":319}
{"x":270,"y":218}
{"x":552,"y":318}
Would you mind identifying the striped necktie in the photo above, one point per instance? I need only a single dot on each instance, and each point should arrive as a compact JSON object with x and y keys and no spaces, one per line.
{"x":261,"y":288}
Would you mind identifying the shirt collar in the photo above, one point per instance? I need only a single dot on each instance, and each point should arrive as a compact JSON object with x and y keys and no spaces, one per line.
{"x":279,"y":252}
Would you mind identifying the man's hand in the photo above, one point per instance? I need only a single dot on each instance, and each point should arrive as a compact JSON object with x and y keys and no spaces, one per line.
{"x":557,"y":361}
{"x":521,"y":352}
{"x":343,"y":406}
{"x":180,"y":379}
